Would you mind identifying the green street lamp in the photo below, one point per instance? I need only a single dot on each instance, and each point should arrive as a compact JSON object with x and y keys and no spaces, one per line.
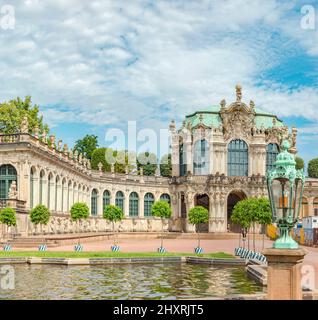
{"x":285,"y":188}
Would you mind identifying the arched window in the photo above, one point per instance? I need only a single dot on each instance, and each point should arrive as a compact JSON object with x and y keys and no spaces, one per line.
{"x":237,"y":162}
{"x":165,"y":197}
{"x":8,"y":174}
{"x":201,"y":161}
{"x":271,"y":154}
{"x":32,"y":183}
{"x":133,"y":204}
{"x":148,"y":202}
{"x":119,"y":200}
{"x":106,"y":199}
{"x":182,"y":157}
{"x":94,"y":201}
{"x":42,"y":175}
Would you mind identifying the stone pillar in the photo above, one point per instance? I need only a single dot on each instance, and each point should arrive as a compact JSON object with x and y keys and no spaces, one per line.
{"x":59,"y":197}
{"x":141,"y":204}
{"x":126,"y":204}
{"x":175,"y":160}
{"x":65,"y":195}
{"x":283,"y":273}
{"x":51,"y":205}
{"x":100,"y":208}
{"x":70,"y":197}
{"x":189,"y":156}
{"x":311,"y":207}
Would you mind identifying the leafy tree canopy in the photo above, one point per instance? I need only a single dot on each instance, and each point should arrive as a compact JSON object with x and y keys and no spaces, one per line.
{"x":313,"y":168}
{"x":299,"y":163}
{"x":13,"y":112}
{"x":79,"y":211}
{"x":87,"y":145}
{"x":161,"y":209}
{"x":166,"y":166}
{"x":198,"y":214}
{"x":40,"y":215}
{"x":252,"y":210}
{"x":148,"y":161}
{"x":101,"y":155}
{"x":113,"y":213}
{"x":7,"y":216}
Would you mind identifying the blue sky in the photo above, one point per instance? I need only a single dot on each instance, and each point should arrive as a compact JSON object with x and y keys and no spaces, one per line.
{"x":94,"y":65}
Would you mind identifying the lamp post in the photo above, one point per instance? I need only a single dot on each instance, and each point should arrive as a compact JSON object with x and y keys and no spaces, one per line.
{"x":285,"y":188}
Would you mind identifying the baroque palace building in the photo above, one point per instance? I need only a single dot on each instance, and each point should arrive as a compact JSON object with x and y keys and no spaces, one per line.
{"x":219,"y":156}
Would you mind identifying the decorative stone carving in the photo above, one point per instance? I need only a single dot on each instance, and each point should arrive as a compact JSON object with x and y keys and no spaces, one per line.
{"x":100,"y":167}
{"x":52,"y":140}
{"x":13,"y":194}
{"x":24,"y":125}
{"x":59,"y":145}
{"x":238,"y":90}
{"x":36,"y":132}
{"x":65,"y":149}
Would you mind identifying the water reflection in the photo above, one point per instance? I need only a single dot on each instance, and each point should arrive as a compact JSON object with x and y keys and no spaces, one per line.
{"x":151,"y":281}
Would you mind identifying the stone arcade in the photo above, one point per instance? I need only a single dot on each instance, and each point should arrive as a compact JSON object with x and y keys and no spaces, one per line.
{"x":219,"y":156}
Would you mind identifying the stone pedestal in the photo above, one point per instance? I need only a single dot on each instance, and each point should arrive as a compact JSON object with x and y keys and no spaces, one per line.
{"x":283,"y":273}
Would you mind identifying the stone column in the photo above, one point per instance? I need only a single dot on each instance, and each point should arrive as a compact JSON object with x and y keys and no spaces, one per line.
{"x":45,"y":191}
{"x":126,"y":204}
{"x":70,"y":198}
{"x":311,"y":207}
{"x":189,"y":156}
{"x":141,"y":204}
{"x":175,"y":160}
{"x":59,"y":197}
{"x":65,"y":195}
{"x":100,"y":208}
{"x":51,"y":205}
{"x":283,"y":273}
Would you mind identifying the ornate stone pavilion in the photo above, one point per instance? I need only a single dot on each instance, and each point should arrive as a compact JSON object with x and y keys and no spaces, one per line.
{"x":219,"y":156}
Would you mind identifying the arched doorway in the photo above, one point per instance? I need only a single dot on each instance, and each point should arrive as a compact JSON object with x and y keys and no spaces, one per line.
{"x":233,"y":198}
{"x":202,"y":200}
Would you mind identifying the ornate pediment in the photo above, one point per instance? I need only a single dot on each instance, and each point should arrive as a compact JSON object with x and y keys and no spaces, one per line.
{"x":237,"y":118}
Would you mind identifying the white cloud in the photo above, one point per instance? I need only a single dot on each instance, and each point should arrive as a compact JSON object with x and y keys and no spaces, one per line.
{"x":112,"y":61}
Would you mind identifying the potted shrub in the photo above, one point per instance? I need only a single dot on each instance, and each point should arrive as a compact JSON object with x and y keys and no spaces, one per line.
{"x":40,"y":215}
{"x":198,"y":215}
{"x":79,"y":211}
{"x":113,"y":214}
{"x":162,"y":210}
{"x":8,"y":219}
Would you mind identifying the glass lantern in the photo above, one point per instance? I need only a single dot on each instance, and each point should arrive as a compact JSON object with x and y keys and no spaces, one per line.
{"x":285,"y":187}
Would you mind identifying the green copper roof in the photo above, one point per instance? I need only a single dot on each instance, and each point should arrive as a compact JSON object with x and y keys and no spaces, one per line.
{"x":211,"y":118}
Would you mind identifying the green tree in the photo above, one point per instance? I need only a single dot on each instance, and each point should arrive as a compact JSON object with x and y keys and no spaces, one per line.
{"x":198,"y":215}
{"x":313,"y":168}
{"x":148,"y":161}
{"x":166,"y":166}
{"x":40,"y":215}
{"x":86,"y":146}
{"x":113,"y":214}
{"x":299,"y":163}
{"x":8,"y":218}
{"x":13,"y":112}
{"x":122,"y":157}
{"x":241,"y":215}
{"x":79,"y":211}
{"x":264,"y":214}
{"x":162,"y":210}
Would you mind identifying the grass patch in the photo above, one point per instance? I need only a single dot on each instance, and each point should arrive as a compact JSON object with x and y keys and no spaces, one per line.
{"x":106,"y":254}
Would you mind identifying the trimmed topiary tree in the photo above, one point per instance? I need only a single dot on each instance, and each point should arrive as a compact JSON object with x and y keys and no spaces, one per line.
{"x":313,"y":168}
{"x":40,"y":215}
{"x":299,"y":163}
{"x":198,"y":215}
{"x":162,"y":210}
{"x":8,"y":218}
{"x":79,"y":211}
{"x":113,"y":214}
